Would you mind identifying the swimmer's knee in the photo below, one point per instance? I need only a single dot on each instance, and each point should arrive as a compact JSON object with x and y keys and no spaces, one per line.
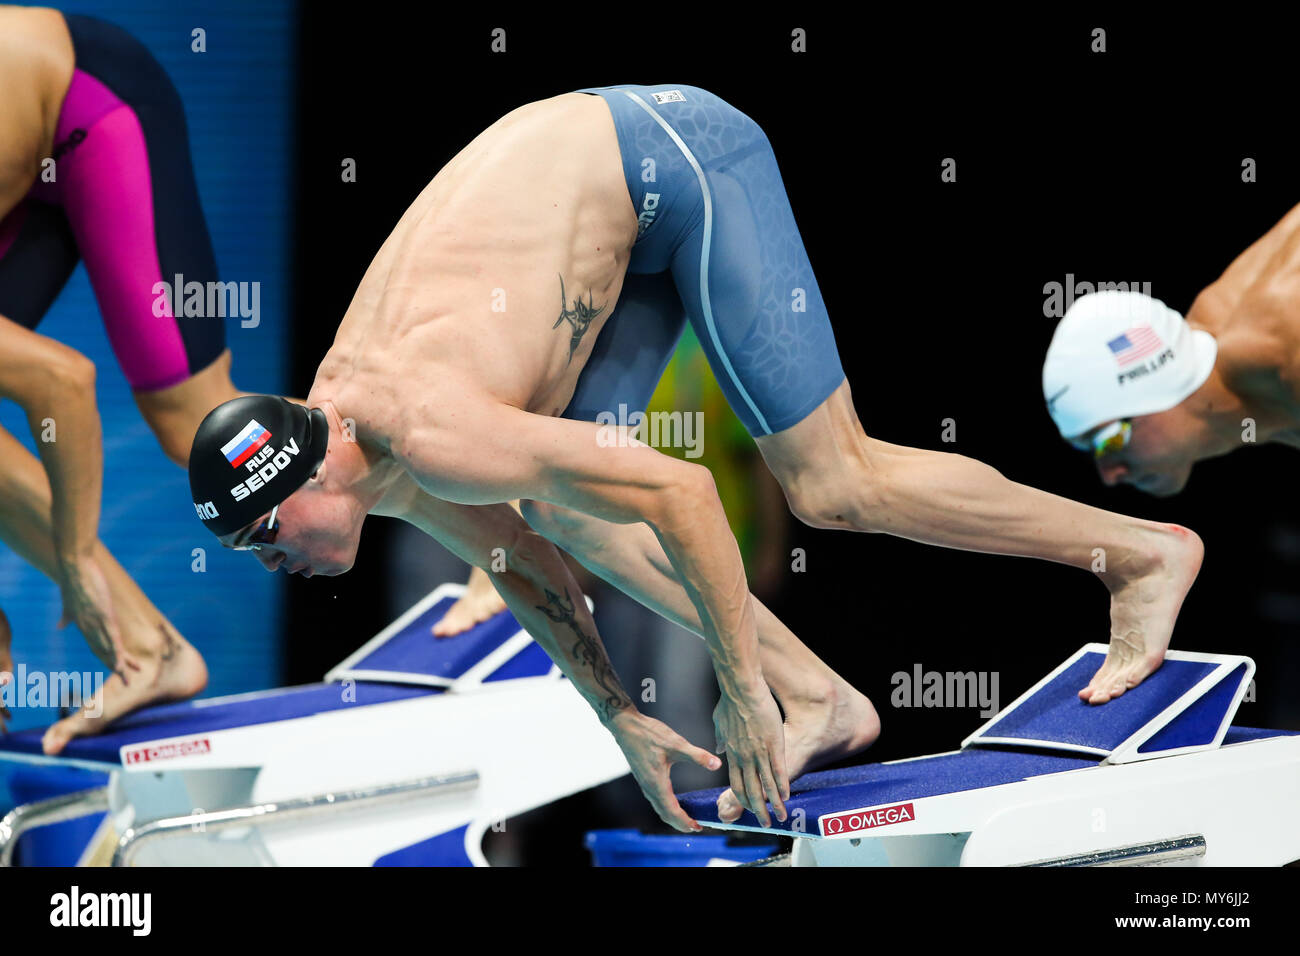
{"x":836,"y":511}
{"x":851,"y":497}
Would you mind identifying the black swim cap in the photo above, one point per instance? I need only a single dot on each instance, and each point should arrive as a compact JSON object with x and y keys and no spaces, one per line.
{"x":250,"y":454}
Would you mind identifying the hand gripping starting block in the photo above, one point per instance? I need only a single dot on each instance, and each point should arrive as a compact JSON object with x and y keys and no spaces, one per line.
{"x":405,"y":755}
{"x":1156,"y":776}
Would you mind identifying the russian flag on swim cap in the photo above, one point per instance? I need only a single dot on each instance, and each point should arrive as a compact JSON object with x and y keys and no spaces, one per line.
{"x":295,"y":440}
{"x":244,"y":445}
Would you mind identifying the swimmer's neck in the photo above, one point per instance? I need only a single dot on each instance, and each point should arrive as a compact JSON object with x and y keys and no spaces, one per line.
{"x":354,"y":464}
{"x":1225,"y":418}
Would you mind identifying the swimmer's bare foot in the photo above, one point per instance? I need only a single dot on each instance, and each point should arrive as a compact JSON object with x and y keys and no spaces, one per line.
{"x":1144,"y":603}
{"x":173,"y":671}
{"x":839,"y":725}
{"x":479,"y":602}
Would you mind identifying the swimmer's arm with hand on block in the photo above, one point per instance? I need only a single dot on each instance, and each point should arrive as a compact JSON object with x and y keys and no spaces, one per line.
{"x":484,"y":452}
{"x":540,"y":591}
{"x":55,"y":387}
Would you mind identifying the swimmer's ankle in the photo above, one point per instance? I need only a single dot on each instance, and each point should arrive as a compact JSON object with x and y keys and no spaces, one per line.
{"x":1155,"y":549}
{"x":815,"y":692}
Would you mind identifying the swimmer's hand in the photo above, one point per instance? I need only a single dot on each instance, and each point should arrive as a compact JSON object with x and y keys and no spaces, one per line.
{"x":750,"y":733}
{"x":651,"y":748}
{"x":479,"y":603}
{"x":88,"y":603}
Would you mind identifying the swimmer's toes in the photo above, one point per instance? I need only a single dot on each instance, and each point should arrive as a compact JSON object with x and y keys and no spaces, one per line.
{"x":729,"y":808}
{"x":57,"y":737}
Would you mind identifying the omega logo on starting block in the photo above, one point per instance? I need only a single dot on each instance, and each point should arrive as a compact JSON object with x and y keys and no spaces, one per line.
{"x":180,"y":748}
{"x":866,"y":819}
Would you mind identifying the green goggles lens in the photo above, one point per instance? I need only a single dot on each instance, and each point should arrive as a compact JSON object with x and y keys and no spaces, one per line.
{"x":1114,"y":437}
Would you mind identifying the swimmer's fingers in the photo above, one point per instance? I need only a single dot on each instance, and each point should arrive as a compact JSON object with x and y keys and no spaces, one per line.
{"x":687,"y":752}
{"x":754,"y":798}
{"x":768,"y":776}
{"x":652,"y":748}
{"x":665,"y":804}
{"x":750,"y":730}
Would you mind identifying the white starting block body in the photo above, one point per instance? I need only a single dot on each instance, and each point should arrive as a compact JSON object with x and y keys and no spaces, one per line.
{"x":408,"y":752}
{"x":1156,"y":776}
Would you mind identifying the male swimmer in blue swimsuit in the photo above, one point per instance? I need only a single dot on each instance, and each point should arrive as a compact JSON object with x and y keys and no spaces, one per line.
{"x":541,"y":279}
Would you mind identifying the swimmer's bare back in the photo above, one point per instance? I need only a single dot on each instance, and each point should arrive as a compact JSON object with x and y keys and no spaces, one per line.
{"x":36,"y":63}
{"x":497,"y":280}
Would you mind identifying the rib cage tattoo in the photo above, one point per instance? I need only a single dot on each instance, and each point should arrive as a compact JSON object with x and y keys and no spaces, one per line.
{"x":586,"y":651}
{"x":579,"y":317}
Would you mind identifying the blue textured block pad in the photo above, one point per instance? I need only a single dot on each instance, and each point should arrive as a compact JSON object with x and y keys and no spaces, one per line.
{"x":1055,"y":713}
{"x":1199,"y":723}
{"x":872,"y":785}
{"x":443,"y":849}
{"x":189,"y":718}
{"x":532,"y":661}
{"x":414,"y":649}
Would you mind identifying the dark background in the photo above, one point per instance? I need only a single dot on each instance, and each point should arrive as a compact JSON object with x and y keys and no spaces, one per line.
{"x":1122,"y":166}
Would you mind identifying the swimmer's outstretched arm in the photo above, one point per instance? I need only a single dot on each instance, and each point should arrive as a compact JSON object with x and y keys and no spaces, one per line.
{"x":540,"y":591}
{"x":479,"y":452}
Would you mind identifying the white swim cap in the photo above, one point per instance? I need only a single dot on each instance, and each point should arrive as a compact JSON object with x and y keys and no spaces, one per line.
{"x":1120,"y":355}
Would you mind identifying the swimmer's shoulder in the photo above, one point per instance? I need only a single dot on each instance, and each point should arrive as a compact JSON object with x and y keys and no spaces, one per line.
{"x":36,"y":64}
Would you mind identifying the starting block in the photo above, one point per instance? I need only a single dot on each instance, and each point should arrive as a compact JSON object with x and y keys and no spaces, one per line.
{"x":404,"y":755}
{"x":1157,"y":776}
